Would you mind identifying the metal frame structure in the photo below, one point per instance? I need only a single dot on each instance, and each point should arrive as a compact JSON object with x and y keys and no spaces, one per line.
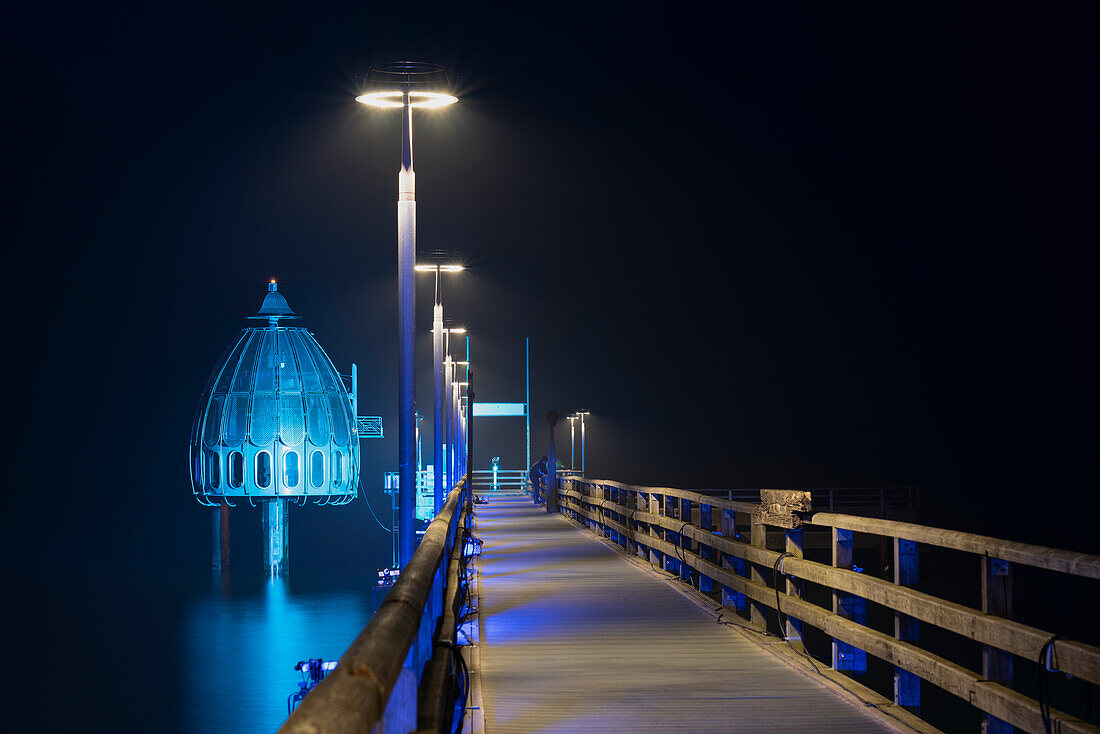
{"x":275,"y":425}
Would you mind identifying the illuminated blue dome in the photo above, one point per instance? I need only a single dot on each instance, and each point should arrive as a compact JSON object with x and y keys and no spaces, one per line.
{"x":275,"y":419}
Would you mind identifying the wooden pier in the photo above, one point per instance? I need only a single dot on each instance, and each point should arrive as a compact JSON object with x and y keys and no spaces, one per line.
{"x":576,"y":637}
{"x":635,"y":608}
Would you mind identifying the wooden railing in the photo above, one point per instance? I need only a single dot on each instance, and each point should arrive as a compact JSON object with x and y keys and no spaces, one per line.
{"x":397,"y":675}
{"x":696,"y":537}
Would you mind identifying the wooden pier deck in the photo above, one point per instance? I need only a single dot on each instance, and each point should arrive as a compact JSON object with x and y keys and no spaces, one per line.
{"x":574,"y":636}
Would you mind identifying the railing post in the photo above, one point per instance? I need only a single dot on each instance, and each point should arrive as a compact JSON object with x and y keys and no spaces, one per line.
{"x":758,"y":612}
{"x":996,"y":600}
{"x":671,"y":561}
{"x":794,"y":586}
{"x":731,"y":598}
{"x":846,"y":657}
{"x":639,"y":503}
{"x":617,"y":496}
{"x":655,"y":556}
{"x":685,"y":540}
{"x":706,"y":552}
{"x":906,"y":573}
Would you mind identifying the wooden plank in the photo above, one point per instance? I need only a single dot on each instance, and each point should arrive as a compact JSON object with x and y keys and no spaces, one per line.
{"x":1071,"y":562}
{"x":576,"y":638}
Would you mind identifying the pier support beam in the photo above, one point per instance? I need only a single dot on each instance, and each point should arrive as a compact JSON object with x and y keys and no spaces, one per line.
{"x":220,"y":537}
{"x":276,"y":546}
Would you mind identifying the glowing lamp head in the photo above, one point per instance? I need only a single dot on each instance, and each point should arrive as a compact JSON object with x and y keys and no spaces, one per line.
{"x":396,"y":98}
{"x":440,"y":268}
{"x":393,"y":84}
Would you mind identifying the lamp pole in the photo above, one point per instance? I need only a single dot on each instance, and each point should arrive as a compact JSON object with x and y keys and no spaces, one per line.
{"x":438,"y":483}
{"x":572,"y":441}
{"x":581,"y":414}
{"x":447,"y":412}
{"x":437,"y":389}
{"x":448,"y":427}
{"x":403,"y":82}
{"x":406,"y":363}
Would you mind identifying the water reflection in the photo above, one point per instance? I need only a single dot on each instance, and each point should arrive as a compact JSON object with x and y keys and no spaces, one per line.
{"x":240,"y":650}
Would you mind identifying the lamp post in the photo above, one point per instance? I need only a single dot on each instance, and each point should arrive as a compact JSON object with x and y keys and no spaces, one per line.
{"x":458,"y":420}
{"x":572,"y":441}
{"x":448,"y":413}
{"x":581,"y":414}
{"x":439,"y":492}
{"x":403,"y":84}
{"x":456,"y":407}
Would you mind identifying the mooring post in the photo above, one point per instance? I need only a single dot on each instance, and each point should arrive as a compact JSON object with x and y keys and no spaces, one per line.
{"x":845,"y":657}
{"x":997,"y":601}
{"x":906,"y":573}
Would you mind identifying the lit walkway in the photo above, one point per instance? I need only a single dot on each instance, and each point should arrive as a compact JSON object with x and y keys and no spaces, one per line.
{"x":575,"y":637}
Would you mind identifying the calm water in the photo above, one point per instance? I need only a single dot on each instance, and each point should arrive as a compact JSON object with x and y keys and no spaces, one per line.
{"x":164,"y":653}
{"x":239,"y":652}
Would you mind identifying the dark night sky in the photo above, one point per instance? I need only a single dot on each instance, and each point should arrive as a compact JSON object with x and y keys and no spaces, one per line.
{"x":765,"y":246}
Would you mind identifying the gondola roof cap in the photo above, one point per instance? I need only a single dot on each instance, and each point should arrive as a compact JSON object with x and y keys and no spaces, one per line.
{"x":274,"y":306}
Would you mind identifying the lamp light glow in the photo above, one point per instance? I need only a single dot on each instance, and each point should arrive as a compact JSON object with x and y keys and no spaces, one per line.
{"x":440,"y":268}
{"x":422,"y":100}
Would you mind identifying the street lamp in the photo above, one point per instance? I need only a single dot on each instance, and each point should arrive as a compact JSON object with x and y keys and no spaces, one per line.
{"x":450,"y":430}
{"x":405,"y":85}
{"x":439,"y":492}
{"x":572,"y":440}
{"x":581,"y":414}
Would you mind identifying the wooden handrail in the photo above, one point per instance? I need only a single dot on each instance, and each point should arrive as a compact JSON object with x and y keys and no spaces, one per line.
{"x":999,"y":700}
{"x":721,"y":502}
{"x":1075,"y":658}
{"x":354,"y":696}
{"x":1071,"y":562}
